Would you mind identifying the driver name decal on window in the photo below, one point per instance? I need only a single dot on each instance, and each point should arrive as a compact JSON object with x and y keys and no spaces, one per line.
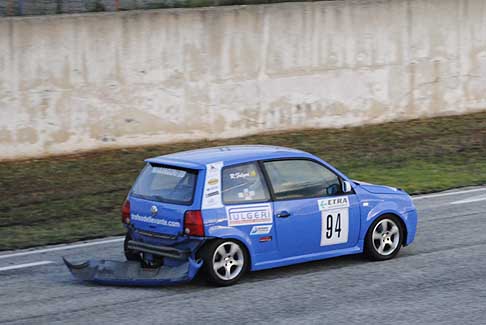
{"x":243,"y":175}
{"x":242,"y":215}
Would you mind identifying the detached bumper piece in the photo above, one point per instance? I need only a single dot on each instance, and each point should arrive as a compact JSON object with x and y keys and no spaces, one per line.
{"x":130,"y":273}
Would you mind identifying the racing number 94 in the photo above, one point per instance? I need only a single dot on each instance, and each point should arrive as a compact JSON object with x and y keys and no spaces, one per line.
{"x":334,"y":226}
{"x":329,"y":223}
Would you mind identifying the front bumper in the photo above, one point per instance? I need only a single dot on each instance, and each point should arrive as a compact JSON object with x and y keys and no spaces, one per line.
{"x":411,"y":220}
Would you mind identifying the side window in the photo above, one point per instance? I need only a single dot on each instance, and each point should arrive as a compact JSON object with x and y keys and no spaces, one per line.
{"x":293,"y":179}
{"x":244,"y":184}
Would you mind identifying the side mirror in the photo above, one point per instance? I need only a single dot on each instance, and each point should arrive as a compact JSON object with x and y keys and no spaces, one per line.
{"x":347,"y":188}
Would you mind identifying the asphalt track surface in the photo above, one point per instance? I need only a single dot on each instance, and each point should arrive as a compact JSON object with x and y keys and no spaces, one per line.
{"x":440,"y":278}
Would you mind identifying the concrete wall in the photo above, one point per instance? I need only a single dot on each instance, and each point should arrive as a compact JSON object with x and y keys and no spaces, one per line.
{"x":81,"y":82}
{"x":52,"y":7}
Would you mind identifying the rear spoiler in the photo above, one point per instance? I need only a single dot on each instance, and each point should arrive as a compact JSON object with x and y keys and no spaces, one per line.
{"x":175,"y":163}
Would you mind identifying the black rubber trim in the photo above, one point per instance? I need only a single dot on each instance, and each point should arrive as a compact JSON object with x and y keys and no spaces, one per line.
{"x":158,"y":250}
{"x":155,"y":235}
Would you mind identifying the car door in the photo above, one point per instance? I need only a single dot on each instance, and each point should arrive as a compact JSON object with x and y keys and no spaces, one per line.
{"x":312,"y":214}
{"x":249,"y":209}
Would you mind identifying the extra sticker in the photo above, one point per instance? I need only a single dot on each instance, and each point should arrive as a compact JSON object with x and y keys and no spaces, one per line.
{"x":212,"y":186}
{"x":242,"y":215}
{"x":333,"y":203}
{"x":261,"y":230}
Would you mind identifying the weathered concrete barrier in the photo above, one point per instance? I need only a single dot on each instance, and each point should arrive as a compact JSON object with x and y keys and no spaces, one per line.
{"x":82,"y":82}
{"x":52,"y":7}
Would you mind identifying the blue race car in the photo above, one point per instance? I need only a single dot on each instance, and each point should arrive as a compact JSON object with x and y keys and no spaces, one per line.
{"x":234,"y":209}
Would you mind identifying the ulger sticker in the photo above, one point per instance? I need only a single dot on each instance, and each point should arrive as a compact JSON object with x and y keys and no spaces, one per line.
{"x":333,"y":203}
{"x":261,"y":230}
{"x":242,"y":215}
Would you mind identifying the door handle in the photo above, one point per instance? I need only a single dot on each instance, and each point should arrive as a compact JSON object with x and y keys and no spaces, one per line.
{"x":283,"y":214}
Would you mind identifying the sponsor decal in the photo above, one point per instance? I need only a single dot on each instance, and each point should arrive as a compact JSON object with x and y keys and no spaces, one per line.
{"x":246,"y":194}
{"x":212,"y":186}
{"x":242,"y":215}
{"x":213,"y":181}
{"x":212,"y":194}
{"x":333,"y":203}
{"x":162,"y":222}
{"x":261,"y":230}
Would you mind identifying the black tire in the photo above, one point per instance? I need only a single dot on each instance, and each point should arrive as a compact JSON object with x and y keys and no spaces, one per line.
{"x":384,"y":236}
{"x":130,"y":255}
{"x":210,"y":253}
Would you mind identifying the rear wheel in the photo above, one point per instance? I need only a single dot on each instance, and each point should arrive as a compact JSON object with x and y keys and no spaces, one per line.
{"x":384,"y":238}
{"x":130,"y":255}
{"x":225,"y":261}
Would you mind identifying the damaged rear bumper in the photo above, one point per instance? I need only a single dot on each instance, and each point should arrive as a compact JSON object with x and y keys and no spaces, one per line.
{"x":130,"y":273}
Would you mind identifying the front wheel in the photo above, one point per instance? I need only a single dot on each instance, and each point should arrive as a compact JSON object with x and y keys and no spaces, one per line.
{"x":225,"y":261}
{"x":384,"y":238}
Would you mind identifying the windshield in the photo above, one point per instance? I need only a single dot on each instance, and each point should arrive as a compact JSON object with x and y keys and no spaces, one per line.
{"x":165,"y":184}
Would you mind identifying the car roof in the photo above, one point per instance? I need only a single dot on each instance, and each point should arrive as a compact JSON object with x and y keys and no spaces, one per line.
{"x":229,"y":155}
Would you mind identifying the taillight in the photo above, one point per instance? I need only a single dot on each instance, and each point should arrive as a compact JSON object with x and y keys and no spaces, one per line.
{"x":193,"y":223}
{"x":125,"y":212}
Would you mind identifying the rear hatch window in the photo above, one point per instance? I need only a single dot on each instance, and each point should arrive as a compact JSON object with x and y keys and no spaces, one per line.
{"x":166,"y":184}
{"x":160,"y":197}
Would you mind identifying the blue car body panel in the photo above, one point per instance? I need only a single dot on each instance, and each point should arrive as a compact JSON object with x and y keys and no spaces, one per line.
{"x":279,"y":241}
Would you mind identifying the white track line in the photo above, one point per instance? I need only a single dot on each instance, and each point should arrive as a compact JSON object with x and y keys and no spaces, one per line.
{"x":21,"y":266}
{"x":427,"y":196}
{"x":471,"y":200}
{"x":60,"y":248}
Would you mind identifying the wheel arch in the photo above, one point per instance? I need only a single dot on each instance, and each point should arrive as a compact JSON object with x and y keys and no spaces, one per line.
{"x":399,"y":217}
{"x":232,"y":234}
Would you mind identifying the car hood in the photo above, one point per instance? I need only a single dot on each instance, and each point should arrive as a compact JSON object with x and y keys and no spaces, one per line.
{"x":379,"y":189}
